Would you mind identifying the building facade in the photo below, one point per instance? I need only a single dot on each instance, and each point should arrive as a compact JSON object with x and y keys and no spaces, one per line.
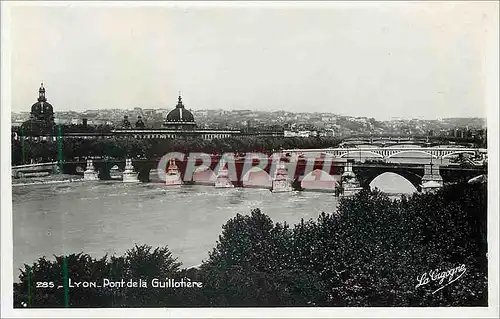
{"x":41,"y":116}
{"x":179,"y":123}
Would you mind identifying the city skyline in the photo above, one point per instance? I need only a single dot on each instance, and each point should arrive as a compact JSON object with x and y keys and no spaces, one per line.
{"x":133,"y":110}
{"x":399,"y":60}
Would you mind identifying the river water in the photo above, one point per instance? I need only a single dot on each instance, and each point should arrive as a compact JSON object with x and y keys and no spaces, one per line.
{"x":109,"y":217}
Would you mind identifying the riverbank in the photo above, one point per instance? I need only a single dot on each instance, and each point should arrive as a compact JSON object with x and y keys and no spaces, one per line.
{"x":51,"y":179}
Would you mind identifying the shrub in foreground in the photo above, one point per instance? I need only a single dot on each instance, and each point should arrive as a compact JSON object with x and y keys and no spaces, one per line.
{"x":370,"y":252}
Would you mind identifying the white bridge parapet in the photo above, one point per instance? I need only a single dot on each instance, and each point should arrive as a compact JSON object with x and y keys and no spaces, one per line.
{"x":34,"y":165}
{"x":388,"y":152}
{"x":38,"y":169}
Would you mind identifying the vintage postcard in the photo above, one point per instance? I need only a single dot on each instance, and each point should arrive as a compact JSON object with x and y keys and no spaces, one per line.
{"x":249,"y":159}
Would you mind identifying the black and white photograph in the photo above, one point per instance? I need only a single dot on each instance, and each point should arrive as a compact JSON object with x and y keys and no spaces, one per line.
{"x":250,"y":159}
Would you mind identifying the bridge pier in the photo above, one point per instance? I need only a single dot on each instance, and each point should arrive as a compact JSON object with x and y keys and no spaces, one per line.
{"x":57,"y":169}
{"x":105,"y":170}
{"x":222,"y":180}
{"x":129,"y":175}
{"x":432,"y":180}
{"x":173,"y":176}
{"x":90,"y":173}
{"x":144,"y":174}
{"x":349,"y":182}
{"x":281,"y":181}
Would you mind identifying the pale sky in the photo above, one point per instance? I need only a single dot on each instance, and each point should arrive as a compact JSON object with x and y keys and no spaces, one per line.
{"x":424,"y":60}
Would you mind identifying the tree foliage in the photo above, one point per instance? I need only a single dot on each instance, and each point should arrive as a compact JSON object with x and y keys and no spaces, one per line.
{"x":116,"y":147}
{"x":369,"y":252}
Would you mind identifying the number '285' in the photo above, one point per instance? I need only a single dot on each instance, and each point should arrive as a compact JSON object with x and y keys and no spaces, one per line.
{"x":45,"y":284}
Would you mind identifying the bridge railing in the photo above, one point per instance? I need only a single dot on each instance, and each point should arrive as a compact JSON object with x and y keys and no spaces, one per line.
{"x":357,"y":149}
{"x":34,"y":165}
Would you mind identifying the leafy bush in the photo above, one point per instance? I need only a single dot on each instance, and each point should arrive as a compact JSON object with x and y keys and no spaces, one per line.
{"x":117,"y":147}
{"x":370,"y":252}
{"x":139,"y":262}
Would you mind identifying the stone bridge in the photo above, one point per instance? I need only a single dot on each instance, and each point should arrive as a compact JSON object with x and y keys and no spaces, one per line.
{"x":389,"y":152}
{"x":416,"y":173}
{"x":241,"y":171}
{"x":306,"y":173}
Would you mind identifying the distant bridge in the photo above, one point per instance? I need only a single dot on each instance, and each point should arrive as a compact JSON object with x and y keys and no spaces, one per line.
{"x":389,"y":152}
{"x":385,"y":140}
{"x":391,"y":139}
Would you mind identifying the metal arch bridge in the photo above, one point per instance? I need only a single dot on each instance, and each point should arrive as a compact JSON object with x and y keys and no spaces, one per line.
{"x":384,"y":140}
{"x":388,"y":152}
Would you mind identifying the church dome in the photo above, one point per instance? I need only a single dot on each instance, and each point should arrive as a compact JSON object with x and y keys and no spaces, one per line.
{"x":47,"y":107}
{"x":180,"y":114}
{"x":42,"y":115}
{"x":42,"y":106}
{"x":36,"y":108}
{"x":140,"y":122}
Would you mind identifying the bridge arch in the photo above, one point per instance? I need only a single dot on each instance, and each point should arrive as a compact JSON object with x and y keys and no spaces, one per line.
{"x":459,"y":152}
{"x":405,"y":144}
{"x":204,"y":175}
{"x":390,"y":182}
{"x":412,"y":151}
{"x":117,"y":168}
{"x":361,"y":153}
{"x":143,"y":174}
{"x":319,"y":180}
{"x":256,"y":177}
{"x":366,"y":176}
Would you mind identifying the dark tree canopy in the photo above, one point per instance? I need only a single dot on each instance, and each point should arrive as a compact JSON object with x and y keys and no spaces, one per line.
{"x":369,"y":252}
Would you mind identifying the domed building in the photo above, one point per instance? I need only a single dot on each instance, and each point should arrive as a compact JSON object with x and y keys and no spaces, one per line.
{"x":140,"y":122}
{"x":180,"y":118}
{"x":179,"y":123}
{"x":126,"y":122}
{"x":41,"y":115}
